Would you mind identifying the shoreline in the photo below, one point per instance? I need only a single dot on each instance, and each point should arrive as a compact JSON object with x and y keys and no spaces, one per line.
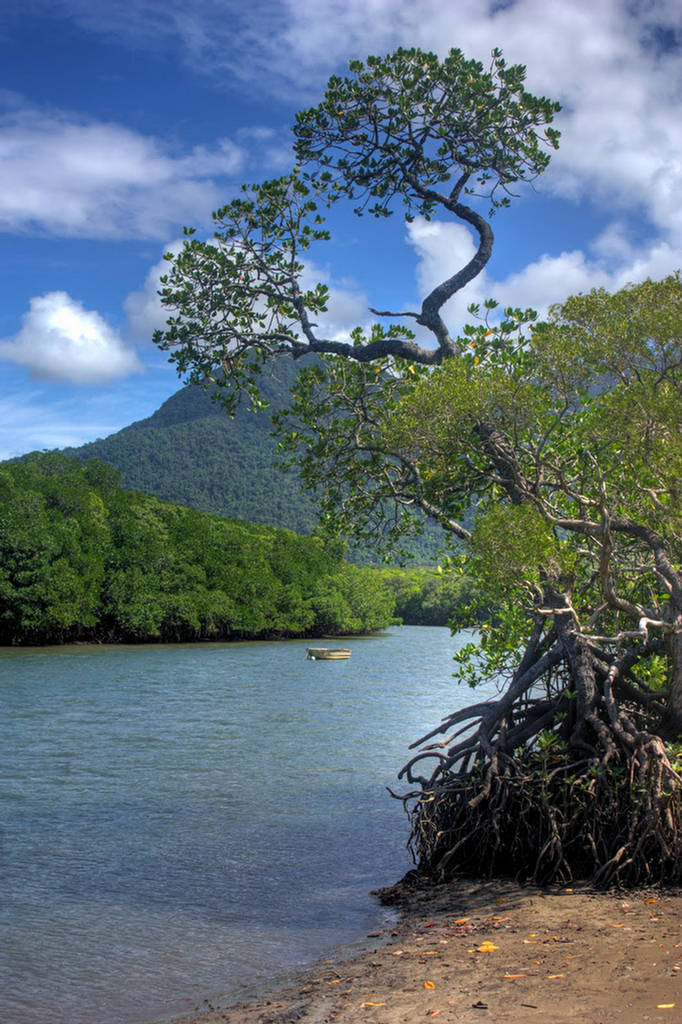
{"x":488,"y":951}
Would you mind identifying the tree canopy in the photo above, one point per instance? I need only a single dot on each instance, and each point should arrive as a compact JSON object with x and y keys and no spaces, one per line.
{"x":407,"y":127}
{"x":82,"y":559}
{"x":550,"y":451}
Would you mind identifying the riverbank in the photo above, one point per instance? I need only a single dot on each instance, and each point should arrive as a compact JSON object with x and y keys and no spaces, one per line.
{"x":472,"y":952}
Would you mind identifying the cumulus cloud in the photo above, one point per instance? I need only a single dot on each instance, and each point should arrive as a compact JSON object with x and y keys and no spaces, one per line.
{"x":614,"y":66}
{"x":61,"y":341}
{"x":612,"y":262}
{"x":143,"y":307}
{"x":66,"y":175}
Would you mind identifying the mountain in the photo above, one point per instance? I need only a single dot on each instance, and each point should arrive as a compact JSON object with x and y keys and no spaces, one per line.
{"x":190,"y":452}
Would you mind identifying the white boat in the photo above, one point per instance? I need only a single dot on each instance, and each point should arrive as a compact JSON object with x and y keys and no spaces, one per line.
{"x":327,"y":653}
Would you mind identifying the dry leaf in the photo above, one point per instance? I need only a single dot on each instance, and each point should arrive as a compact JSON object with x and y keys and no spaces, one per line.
{"x":429,"y":984}
{"x":462,"y":920}
{"x":514,"y":975}
{"x":372,"y":1004}
{"x":487,"y":947}
{"x":665,"y":1006}
{"x":336,"y":981}
{"x":556,"y":975}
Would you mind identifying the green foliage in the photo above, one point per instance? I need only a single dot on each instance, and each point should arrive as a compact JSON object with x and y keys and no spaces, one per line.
{"x":188,"y":452}
{"x":428,"y":597}
{"x":408,"y":126}
{"x":404,"y":124}
{"x":83,"y":559}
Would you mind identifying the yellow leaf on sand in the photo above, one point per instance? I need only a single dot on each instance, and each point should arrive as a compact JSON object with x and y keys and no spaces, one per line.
{"x":429,"y":984}
{"x":556,"y":975}
{"x":665,"y":1006}
{"x":487,"y":947}
{"x":372,"y":1004}
{"x":515,"y":975}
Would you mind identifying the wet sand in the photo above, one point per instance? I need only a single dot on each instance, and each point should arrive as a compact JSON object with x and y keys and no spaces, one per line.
{"x":473,"y":952}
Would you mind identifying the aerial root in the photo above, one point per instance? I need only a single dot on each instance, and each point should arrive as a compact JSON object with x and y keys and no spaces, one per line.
{"x":536,"y":818}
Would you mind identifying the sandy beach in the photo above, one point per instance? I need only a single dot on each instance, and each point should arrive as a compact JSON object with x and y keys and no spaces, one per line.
{"x":476,"y":951}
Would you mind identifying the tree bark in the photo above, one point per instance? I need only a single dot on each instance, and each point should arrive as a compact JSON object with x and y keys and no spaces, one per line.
{"x":673,"y":717}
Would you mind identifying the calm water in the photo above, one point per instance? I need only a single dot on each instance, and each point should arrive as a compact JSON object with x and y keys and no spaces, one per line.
{"x":178,"y":821}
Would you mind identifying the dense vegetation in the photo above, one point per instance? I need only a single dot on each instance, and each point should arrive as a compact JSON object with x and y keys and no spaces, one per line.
{"x":82,"y":559}
{"x":190,"y":453}
{"x":434,"y":597}
{"x":563,"y":438}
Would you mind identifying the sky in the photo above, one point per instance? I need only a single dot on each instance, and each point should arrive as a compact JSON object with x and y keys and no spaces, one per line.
{"x":121,"y":121}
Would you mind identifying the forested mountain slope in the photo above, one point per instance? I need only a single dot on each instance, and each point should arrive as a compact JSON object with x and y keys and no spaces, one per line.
{"x":190,"y":452}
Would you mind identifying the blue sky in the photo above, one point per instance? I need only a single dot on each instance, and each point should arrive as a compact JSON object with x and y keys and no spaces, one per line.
{"x":123,"y":120}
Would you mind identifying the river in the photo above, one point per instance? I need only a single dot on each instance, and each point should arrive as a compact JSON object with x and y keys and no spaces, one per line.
{"x":180,"y":821}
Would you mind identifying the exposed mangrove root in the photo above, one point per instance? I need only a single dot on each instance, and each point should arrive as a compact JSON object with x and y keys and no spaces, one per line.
{"x":563,"y":777}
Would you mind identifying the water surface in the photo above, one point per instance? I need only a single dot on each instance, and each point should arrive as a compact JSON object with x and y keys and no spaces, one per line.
{"x":177,"y":821}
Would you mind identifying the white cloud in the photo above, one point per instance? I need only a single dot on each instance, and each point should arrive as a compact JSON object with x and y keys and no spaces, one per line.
{"x":143,"y":307}
{"x":612,"y":262}
{"x":61,"y":341}
{"x":70,"y":176}
{"x":613,"y":64}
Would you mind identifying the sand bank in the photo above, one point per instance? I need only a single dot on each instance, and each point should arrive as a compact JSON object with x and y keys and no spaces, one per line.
{"x":474,"y":952}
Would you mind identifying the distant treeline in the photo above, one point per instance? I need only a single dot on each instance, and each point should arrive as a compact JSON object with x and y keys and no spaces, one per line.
{"x":428,"y":597}
{"x":81,"y":559}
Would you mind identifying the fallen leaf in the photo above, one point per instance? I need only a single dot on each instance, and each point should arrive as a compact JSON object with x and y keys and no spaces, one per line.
{"x":514,"y":975}
{"x":556,"y":975}
{"x":336,"y":981}
{"x":487,"y":947}
{"x":429,"y":984}
{"x":372,"y":1004}
{"x":651,"y":901}
{"x":568,"y":890}
{"x":430,"y":924}
{"x":462,"y":920}
{"x":665,"y":1006}
{"x":433,"y":1013}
